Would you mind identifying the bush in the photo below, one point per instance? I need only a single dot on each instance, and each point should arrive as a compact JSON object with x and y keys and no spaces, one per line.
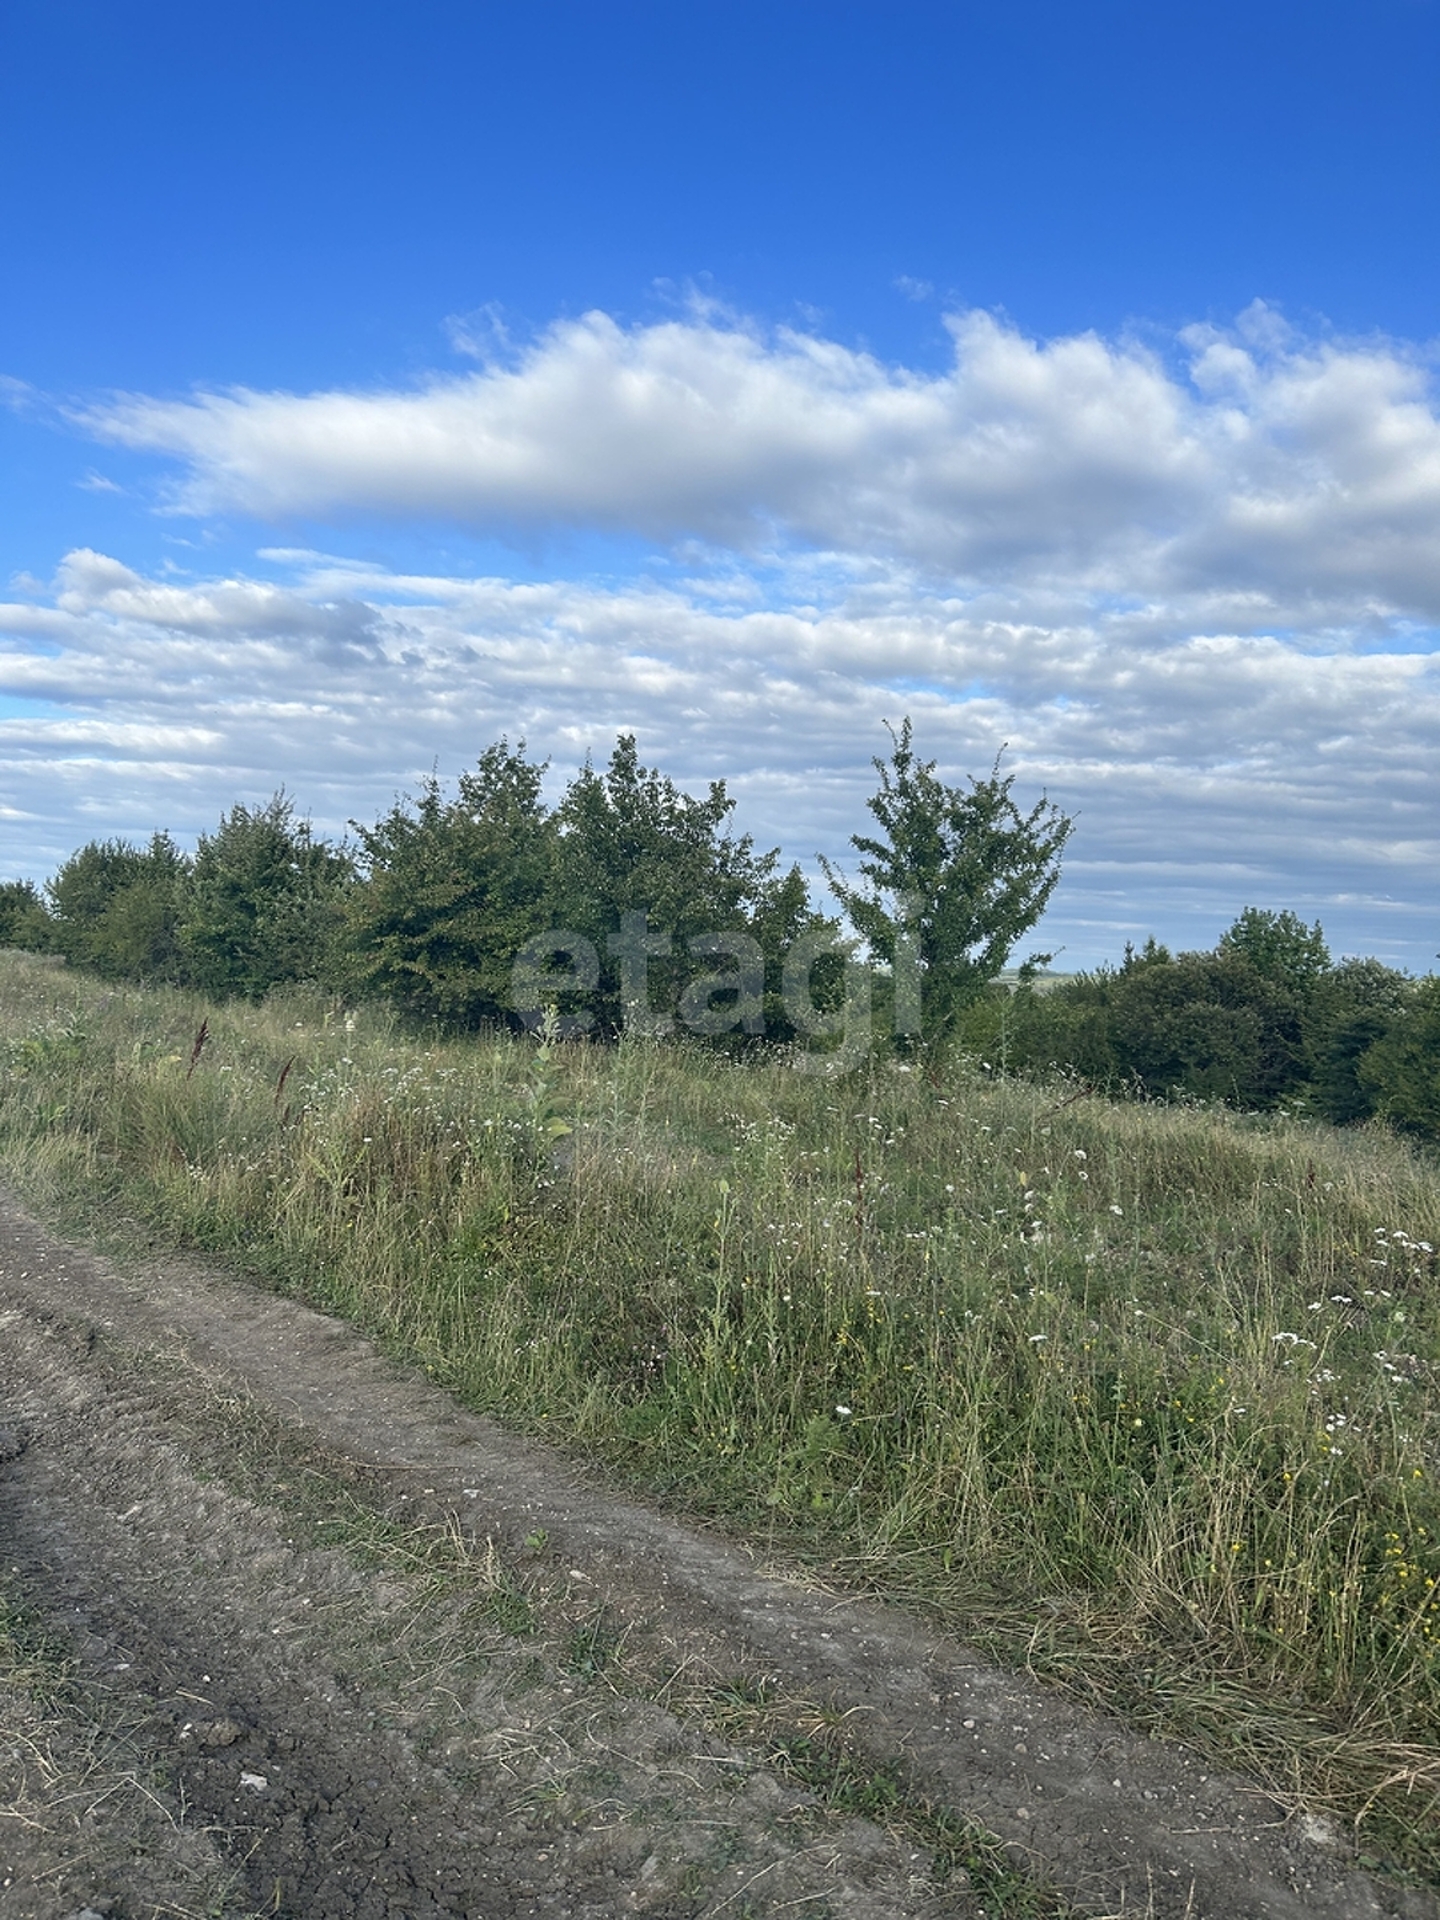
{"x":1352,"y":1007}
{"x":1402,"y":1070}
{"x":24,"y":921}
{"x":116,"y":907}
{"x":1209,"y":1025}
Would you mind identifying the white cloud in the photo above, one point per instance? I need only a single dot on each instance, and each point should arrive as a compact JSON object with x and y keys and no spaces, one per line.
{"x":1211,"y":767}
{"x":1303,"y":473}
{"x":1195,"y":590}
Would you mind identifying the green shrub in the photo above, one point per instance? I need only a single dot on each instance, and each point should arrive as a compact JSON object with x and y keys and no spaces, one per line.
{"x":24,"y":921}
{"x":1351,"y":1007}
{"x":263,"y":903}
{"x":117,"y":908}
{"x":1401,"y":1071}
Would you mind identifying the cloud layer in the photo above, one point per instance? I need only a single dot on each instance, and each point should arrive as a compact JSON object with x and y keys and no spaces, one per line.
{"x":1209,"y":771}
{"x":1252,"y":462}
{"x":1195,"y":590}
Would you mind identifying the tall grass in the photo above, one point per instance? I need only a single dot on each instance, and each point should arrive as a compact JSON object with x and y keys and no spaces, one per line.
{"x":1150,"y":1392}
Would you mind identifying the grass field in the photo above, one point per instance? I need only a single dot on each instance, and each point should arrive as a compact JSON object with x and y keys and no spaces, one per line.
{"x":1144,"y":1396}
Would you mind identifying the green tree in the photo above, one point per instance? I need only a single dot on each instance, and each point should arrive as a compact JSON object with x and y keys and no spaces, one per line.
{"x":1152,"y":954}
{"x":646,"y":870}
{"x":264,"y":902}
{"x":781,"y":915}
{"x":1207,"y":1024}
{"x":1402,"y":1069}
{"x":24,"y":921}
{"x":955,"y":878}
{"x":116,"y":907}
{"x":1280,"y":947}
{"x":1348,"y":1010}
{"x":454,"y":888}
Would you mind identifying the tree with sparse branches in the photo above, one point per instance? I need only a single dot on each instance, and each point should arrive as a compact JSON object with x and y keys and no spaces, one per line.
{"x":956,"y":876}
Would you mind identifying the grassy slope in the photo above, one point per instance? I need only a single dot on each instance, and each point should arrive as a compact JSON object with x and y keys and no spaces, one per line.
{"x":1145,"y":1396}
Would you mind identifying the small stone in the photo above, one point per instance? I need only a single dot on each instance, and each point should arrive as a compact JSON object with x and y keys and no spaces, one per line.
{"x":1320,"y":1832}
{"x":223,"y":1732}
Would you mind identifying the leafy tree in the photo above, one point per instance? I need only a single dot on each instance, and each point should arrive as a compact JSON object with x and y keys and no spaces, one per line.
{"x":1152,"y":954}
{"x":644,"y":871}
{"x":264,"y":902}
{"x":453,"y":889}
{"x":116,"y":907}
{"x":24,"y":921}
{"x":1402,"y":1069}
{"x":1280,"y":947}
{"x":956,"y":877}
{"x":1206,"y":1024}
{"x":781,"y":916}
{"x":1210,"y":1025}
{"x":1349,"y":1009}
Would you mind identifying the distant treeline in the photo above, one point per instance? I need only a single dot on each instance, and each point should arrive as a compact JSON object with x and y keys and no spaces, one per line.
{"x":428,"y":909}
{"x":1264,"y":1020}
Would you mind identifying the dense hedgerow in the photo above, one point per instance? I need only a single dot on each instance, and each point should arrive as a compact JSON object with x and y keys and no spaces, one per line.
{"x":429,"y":911}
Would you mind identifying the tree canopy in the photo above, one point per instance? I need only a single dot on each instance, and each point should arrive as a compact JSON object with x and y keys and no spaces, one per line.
{"x":957,"y":876}
{"x":632,"y":906}
{"x":117,"y":908}
{"x":454,"y":888}
{"x":263,"y":902}
{"x":1280,"y":947}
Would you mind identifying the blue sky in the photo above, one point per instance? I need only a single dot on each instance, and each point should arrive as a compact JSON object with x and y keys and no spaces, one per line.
{"x":380,"y":381}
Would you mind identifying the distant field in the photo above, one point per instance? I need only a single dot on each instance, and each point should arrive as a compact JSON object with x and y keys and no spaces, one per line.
{"x":1144,"y":1396}
{"x":1045,"y":982}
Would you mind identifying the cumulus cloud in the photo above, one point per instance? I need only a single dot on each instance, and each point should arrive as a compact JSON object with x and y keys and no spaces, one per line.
{"x":1211,"y":766}
{"x":1193,"y":584}
{"x":1304,"y":473}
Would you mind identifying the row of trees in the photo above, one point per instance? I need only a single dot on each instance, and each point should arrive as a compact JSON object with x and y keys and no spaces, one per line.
{"x":1265,"y":1019}
{"x":428,"y":909}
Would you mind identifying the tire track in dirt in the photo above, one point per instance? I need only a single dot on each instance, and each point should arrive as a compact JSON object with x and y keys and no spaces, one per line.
{"x":1123,"y":1823}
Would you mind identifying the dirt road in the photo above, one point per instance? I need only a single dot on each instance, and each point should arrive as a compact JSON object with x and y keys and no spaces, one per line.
{"x":343,"y":1649}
